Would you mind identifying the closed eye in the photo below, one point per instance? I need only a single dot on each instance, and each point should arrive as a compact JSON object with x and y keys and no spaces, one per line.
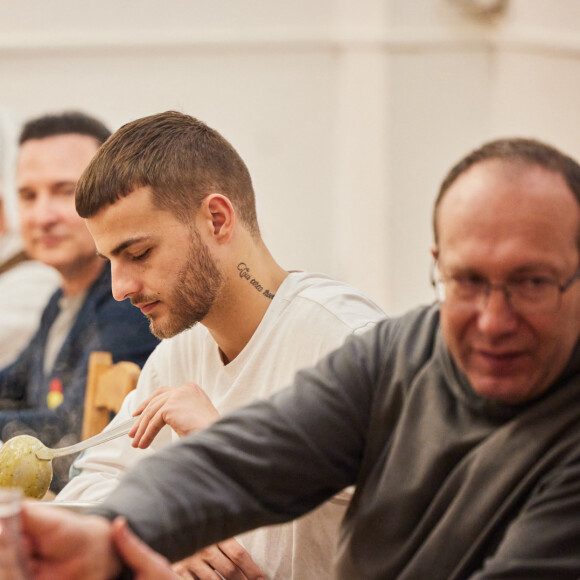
{"x":141,"y":256}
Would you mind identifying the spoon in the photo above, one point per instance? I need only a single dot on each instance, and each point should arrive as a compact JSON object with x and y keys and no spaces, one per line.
{"x":25,"y":462}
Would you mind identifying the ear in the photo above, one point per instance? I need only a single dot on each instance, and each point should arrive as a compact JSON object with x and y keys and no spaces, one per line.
{"x":218,"y":213}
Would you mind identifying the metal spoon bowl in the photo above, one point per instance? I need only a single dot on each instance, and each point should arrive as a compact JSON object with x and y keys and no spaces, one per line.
{"x":26,"y":462}
{"x":19,"y":466}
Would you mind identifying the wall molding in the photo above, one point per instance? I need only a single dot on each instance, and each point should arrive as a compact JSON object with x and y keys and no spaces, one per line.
{"x":398,"y":41}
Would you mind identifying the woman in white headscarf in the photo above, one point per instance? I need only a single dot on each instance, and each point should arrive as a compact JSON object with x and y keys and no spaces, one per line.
{"x":25,"y":285}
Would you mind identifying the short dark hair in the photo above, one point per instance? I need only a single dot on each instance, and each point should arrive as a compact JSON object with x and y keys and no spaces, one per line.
{"x":179,"y":157}
{"x":518,"y":150}
{"x":68,"y":122}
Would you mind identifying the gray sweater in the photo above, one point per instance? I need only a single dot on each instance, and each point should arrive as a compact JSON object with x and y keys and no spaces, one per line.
{"x":449,"y":485}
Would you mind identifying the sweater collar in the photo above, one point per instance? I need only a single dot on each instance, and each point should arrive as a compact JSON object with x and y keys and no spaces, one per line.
{"x":498,"y":410}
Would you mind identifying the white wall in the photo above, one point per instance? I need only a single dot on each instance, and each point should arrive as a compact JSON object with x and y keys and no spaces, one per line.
{"x":348,"y":112}
{"x":458,"y":81}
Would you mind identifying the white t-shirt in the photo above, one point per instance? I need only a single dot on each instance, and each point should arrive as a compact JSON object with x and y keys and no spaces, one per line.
{"x":69,"y":307}
{"x":310,"y":315}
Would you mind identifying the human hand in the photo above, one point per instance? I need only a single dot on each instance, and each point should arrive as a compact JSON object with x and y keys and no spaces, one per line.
{"x":68,"y":546}
{"x":185,"y":409}
{"x":228,"y":558}
{"x":145,"y":563}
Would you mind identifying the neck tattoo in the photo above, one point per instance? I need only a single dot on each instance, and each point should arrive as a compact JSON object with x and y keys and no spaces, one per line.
{"x":244,"y":273}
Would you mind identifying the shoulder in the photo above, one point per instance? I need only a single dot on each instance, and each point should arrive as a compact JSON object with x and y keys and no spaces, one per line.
{"x":323,"y":297}
{"x":31,"y":271}
{"x":418,"y":326}
{"x":409,"y":340}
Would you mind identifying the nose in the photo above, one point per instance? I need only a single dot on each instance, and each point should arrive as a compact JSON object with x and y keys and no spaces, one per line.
{"x":497,"y":316}
{"x":43,"y":212}
{"x":123,"y":283}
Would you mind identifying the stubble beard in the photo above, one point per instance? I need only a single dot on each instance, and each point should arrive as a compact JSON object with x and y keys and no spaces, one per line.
{"x":197,"y":287}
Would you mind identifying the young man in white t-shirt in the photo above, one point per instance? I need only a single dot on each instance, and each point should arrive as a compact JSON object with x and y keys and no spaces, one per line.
{"x":170,"y":203}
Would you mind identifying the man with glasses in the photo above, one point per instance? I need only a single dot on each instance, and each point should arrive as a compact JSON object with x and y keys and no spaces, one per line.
{"x":459,"y":422}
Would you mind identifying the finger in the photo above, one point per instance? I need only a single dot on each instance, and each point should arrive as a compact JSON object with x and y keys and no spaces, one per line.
{"x":144,"y":403}
{"x":235,"y":552}
{"x":152,"y":429}
{"x":139,"y":409}
{"x":135,"y":426}
{"x":139,"y":556}
{"x":211,"y":563}
{"x":183,"y":572}
{"x":140,"y":426}
{"x":146,"y":416}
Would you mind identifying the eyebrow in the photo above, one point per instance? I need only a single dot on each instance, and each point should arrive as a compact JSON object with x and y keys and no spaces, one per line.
{"x":64,"y":184}
{"x":124,"y":245}
{"x":523,"y":270}
{"x":56,"y":185}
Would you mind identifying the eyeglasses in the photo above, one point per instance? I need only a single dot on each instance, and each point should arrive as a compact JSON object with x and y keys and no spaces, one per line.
{"x":528,"y":294}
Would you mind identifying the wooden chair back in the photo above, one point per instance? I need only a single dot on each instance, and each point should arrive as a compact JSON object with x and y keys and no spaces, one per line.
{"x":107,"y":385}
